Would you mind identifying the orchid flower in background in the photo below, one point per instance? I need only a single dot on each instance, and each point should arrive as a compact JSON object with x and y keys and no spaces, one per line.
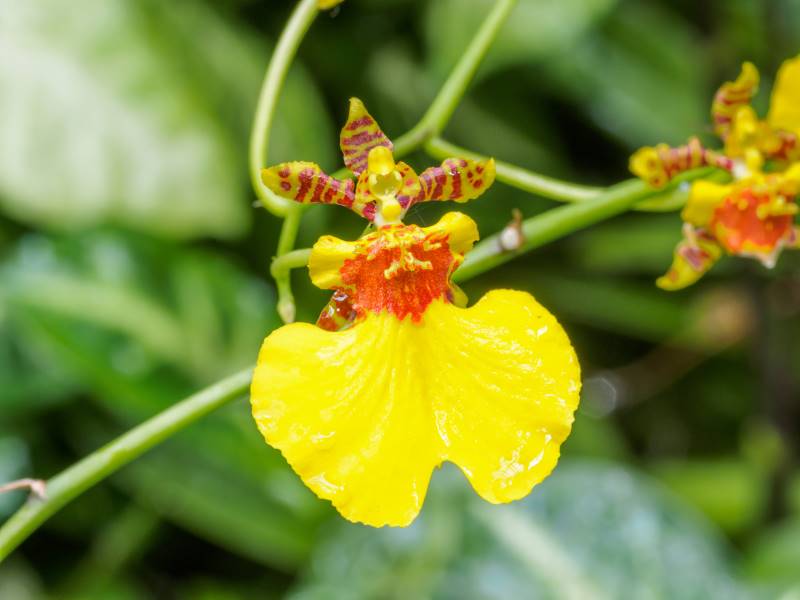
{"x":399,"y":376}
{"x":752,"y":216}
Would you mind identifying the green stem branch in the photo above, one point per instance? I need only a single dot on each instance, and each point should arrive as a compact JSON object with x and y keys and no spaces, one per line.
{"x":279,"y":64}
{"x":562,"y":221}
{"x":518,"y":177}
{"x":283,"y":282}
{"x":667,"y":200}
{"x":100,"y":464}
{"x":444,"y":105}
{"x":540,"y":229}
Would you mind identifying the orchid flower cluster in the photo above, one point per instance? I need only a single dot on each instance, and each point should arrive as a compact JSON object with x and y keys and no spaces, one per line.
{"x":398,"y":376}
{"x":752,"y":215}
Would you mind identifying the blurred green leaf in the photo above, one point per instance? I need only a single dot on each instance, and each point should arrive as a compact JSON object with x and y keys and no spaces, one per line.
{"x":534,"y":31}
{"x":730,"y":492}
{"x":31,"y":382}
{"x":772,"y":559}
{"x":19,"y":581}
{"x":641,"y":78}
{"x":589,"y":531}
{"x":142,"y":323}
{"x":217,"y":478}
{"x":13,"y":465}
{"x":188,"y":309}
{"x":136,"y":113}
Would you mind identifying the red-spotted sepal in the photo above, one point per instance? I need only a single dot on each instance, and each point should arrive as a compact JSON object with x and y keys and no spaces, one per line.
{"x":359,"y":135}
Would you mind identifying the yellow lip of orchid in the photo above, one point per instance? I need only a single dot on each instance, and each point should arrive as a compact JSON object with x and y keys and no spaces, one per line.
{"x":365,"y":414}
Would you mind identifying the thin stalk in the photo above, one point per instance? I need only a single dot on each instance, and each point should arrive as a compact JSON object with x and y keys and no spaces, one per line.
{"x":291,"y":260}
{"x":76,"y":479}
{"x":667,"y":200}
{"x":560,"y":222}
{"x":444,"y":105}
{"x":279,"y":64}
{"x":517,"y":177}
{"x":291,"y":225}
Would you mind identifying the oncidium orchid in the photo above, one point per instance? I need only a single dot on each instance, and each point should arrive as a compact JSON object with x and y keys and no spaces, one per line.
{"x":398,"y":376}
{"x":753,"y":215}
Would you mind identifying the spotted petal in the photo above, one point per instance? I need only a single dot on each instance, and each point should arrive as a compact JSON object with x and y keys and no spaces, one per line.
{"x":306,"y":183}
{"x":360,"y":135}
{"x":731,"y":97}
{"x":693,"y":258}
{"x":456,"y":179}
{"x":364,"y":415}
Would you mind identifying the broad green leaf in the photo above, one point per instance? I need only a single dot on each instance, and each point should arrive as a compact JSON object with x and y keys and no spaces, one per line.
{"x":534,"y":31}
{"x":136,"y":113}
{"x":591,"y":530}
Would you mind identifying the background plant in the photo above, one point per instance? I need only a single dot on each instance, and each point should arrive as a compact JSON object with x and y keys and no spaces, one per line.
{"x":123,"y":148}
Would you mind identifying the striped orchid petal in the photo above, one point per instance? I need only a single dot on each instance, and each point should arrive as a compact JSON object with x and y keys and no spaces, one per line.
{"x":732,"y":96}
{"x":305,"y":182}
{"x":456,"y":179}
{"x":360,"y":135}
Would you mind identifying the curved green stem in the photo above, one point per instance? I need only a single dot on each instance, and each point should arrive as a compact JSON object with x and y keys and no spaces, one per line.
{"x":561,"y":221}
{"x":285,"y":50}
{"x":540,"y":229}
{"x":110,"y":458}
{"x":444,"y":105}
{"x":291,"y":260}
{"x":291,"y":224}
{"x":667,"y":200}
{"x":518,"y":177}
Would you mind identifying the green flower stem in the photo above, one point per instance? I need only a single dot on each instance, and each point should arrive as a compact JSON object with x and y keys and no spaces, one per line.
{"x":291,"y":224}
{"x":444,"y":105}
{"x":282,"y":57}
{"x":538,"y":230}
{"x":291,"y":260}
{"x":518,"y":177}
{"x":431,"y":124}
{"x":559,"y":222}
{"x":667,"y":200}
{"x":75,"y":480}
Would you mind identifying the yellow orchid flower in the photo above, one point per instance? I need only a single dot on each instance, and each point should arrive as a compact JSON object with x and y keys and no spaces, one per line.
{"x":385,"y":190}
{"x":749,"y":142}
{"x":397,"y":376}
{"x":753,"y":216}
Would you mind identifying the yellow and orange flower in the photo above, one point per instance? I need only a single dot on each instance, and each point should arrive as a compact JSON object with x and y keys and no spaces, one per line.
{"x":398,"y":376}
{"x":754,"y":215}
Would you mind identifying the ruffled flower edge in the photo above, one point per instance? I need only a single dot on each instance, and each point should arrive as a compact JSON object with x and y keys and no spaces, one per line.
{"x":364,"y":415}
